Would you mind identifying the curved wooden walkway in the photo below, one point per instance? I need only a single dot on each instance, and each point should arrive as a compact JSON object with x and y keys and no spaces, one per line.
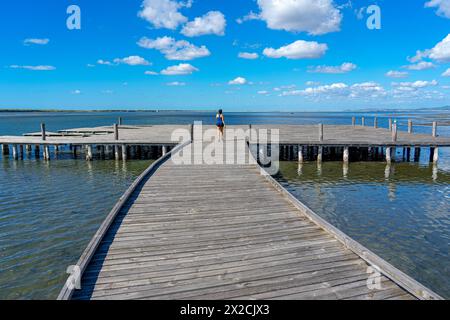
{"x":224,"y":232}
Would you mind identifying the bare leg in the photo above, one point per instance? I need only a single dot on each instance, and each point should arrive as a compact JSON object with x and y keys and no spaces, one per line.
{"x":221,"y":133}
{"x":218,"y":132}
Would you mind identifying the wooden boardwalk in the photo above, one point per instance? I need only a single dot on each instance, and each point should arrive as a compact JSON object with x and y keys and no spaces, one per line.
{"x":225,"y":232}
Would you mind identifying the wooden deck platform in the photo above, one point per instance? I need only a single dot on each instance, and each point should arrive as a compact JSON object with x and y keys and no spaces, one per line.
{"x":225,"y":232}
{"x":333,"y":135}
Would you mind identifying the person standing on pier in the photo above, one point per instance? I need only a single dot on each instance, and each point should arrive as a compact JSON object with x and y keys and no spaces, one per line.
{"x":220,"y":123}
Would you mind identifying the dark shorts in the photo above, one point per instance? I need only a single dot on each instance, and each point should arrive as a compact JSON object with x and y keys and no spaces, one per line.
{"x":220,"y":126}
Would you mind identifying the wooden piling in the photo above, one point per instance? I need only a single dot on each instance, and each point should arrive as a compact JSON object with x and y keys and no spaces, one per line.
{"x":346,"y":154}
{"x":5,"y":149}
{"x":117,"y":152}
{"x":388,"y":154}
{"x":37,"y":151}
{"x":321,"y":132}
{"x":89,"y":155}
{"x":320,"y":154}
{"x":164,"y":150}
{"x":46,"y":152}
{"x":394,"y":132}
{"x":363,"y":121}
{"x":14,"y":152}
{"x":410,"y":126}
{"x":353,"y":121}
{"x":434,"y":132}
{"x":375,"y":122}
{"x":124,"y":152}
{"x":120,"y":121}
{"x":300,"y":154}
{"x":416,"y":154}
{"x":43,"y":132}
{"x":436,"y":155}
{"x":116,"y":132}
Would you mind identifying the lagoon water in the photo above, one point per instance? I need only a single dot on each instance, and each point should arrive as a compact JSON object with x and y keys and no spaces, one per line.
{"x":50,"y":210}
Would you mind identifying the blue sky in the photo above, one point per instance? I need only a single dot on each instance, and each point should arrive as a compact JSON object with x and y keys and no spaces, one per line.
{"x":306,"y":55}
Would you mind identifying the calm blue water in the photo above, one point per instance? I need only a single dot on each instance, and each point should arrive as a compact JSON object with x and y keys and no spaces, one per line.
{"x":50,"y":210}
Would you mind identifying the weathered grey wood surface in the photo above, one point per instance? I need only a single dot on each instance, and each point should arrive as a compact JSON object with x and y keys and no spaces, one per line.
{"x":222,"y":232}
{"x":333,"y":135}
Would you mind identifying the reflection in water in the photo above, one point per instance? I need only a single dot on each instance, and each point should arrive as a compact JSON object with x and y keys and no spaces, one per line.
{"x":400,"y":211}
{"x":49,"y":212}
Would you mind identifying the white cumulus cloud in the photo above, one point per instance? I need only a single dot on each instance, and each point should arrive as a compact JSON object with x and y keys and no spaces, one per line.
{"x":33,"y":68}
{"x":174,"y":50}
{"x":212,"y":22}
{"x":343,"y":68}
{"x":238,"y":81}
{"x":446,"y":73}
{"x":181,"y":69}
{"x":443,"y":7}
{"x":423,"y":65}
{"x":31,"y":41}
{"x":299,"y":49}
{"x":315,"y":17}
{"x":248,"y":55}
{"x":415,"y":85}
{"x":132,"y":61}
{"x":163,"y":13}
{"x":176,"y":84}
{"x":397,"y":74}
{"x":440,"y":52}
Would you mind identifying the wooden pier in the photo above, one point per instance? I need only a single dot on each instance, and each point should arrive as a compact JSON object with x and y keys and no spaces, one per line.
{"x":226,"y":231}
{"x":296,"y":142}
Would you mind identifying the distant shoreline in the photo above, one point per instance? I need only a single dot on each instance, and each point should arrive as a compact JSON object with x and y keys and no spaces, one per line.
{"x":19,"y":110}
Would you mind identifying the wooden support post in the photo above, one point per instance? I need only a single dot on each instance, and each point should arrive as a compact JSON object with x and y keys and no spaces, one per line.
{"x":14,"y":152}
{"x":5,"y":149}
{"x":300,"y":154}
{"x":89,"y":155}
{"x":117,"y":152}
{"x":102,"y":151}
{"x":46,"y":152}
{"x":375,"y":122}
{"x":21,"y":154}
{"x":408,"y":154}
{"x":390,"y":124}
{"x":116,"y":132}
{"x":320,"y":154}
{"x":394,"y":132}
{"x":37,"y":151}
{"x":353,"y":121}
{"x":124,"y":152}
{"x":436,"y":155}
{"x":363,"y":121}
{"x":388,"y":154}
{"x":321,"y":132}
{"x":120,"y":121}
{"x":434,"y":133}
{"x":43,"y":132}
{"x":410,"y":126}
{"x":346,"y":154}
{"x":28,"y":148}
{"x":164,"y":150}
{"x":416,"y":154}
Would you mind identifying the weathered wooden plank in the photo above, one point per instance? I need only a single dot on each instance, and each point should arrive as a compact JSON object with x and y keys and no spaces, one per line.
{"x":204,"y":232}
